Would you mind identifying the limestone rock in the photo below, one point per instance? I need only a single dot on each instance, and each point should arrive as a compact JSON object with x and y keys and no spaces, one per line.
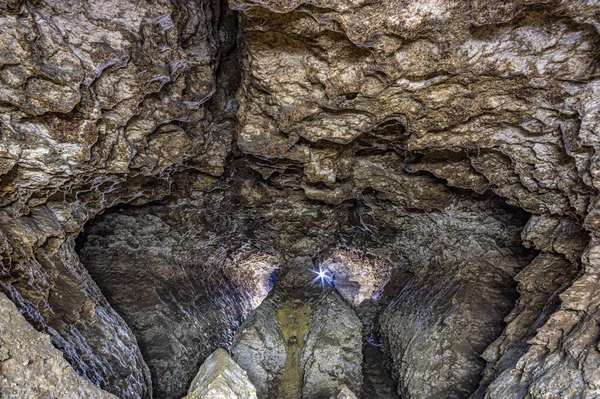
{"x":539,"y":286}
{"x":101,"y":103}
{"x":355,"y":277}
{"x":197,"y":272}
{"x":56,"y":293}
{"x":190,"y":294}
{"x":441,"y":321}
{"x":301,"y":343}
{"x":332,"y":352}
{"x":31,"y":368}
{"x":448,"y":150}
{"x":561,"y":367}
{"x":220,"y":377}
{"x":448,"y":84}
{"x":259,"y":348}
{"x":344,"y":393}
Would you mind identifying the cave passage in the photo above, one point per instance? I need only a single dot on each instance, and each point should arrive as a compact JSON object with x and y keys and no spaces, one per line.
{"x":299,"y":199}
{"x":361,"y":303}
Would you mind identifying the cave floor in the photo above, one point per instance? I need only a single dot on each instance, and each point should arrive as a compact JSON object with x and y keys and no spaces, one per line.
{"x":378,"y":382}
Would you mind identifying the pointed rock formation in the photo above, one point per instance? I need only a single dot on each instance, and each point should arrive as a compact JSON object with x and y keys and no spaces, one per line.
{"x":308,"y":346}
{"x":332,"y":355}
{"x":344,"y":393}
{"x":259,"y":348}
{"x":221,"y":378}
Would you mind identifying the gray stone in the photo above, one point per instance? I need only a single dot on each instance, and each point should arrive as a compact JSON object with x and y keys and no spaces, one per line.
{"x":31,"y":368}
{"x":220,"y":377}
{"x":344,"y":393}
{"x":449,"y":151}
{"x":259,"y":348}
{"x":332,"y":352}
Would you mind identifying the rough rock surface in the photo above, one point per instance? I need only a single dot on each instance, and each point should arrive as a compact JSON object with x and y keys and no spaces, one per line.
{"x":221,"y":378}
{"x":283,"y":135}
{"x":452,"y":308}
{"x":100,"y":103}
{"x":540,"y":285}
{"x":58,"y":296}
{"x":498,"y":97}
{"x":259,"y":348}
{"x":344,"y":393}
{"x":565,"y":367}
{"x":332,"y":352}
{"x":355,"y":277}
{"x":31,"y":368}
{"x":191,"y":293}
{"x":303,"y":344}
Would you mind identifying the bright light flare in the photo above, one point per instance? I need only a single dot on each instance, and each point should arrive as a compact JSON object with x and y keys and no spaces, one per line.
{"x":322,"y":276}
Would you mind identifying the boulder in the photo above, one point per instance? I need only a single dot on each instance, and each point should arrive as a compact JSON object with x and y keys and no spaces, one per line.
{"x":221,"y":378}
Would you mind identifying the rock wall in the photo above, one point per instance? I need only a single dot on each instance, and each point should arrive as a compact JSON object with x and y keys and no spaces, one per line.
{"x":30,"y":367}
{"x":498,"y":97}
{"x":45,"y":278}
{"x":332,"y":354}
{"x":100,"y":104}
{"x":301,"y":343}
{"x":191,"y":293}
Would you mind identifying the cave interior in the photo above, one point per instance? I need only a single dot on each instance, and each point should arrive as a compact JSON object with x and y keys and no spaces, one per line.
{"x":264,"y":199}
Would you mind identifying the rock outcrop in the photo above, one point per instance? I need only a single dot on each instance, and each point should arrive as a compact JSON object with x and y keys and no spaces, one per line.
{"x":332,"y":354}
{"x":301,"y":344}
{"x":31,"y":368}
{"x":259,"y":348}
{"x":344,"y":393}
{"x":221,"y":378}
{"x":101,"y":103}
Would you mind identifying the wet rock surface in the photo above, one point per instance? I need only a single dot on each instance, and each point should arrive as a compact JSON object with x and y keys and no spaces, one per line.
{"x":453,"y":306}
{"x":58,"y":296}
{"x":301,"y":345}
{"x":438,"y":160}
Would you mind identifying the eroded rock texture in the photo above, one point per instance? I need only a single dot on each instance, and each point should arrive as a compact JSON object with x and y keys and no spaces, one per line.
{"x":100,"y":103}
{"x":190,"y":291}
{"x":301,"y":343}
{"x":437,"y":159}
{"x":30,"y":367}
{"x":221,"y":378}
{"x":452,"y":308}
